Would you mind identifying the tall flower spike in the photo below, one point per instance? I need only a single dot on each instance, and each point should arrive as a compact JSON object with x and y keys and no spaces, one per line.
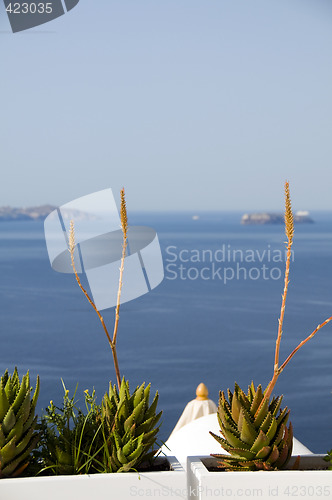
{"x":71,"y":243}
{"x":123,"y":213}
{"x":124,"y":225}
{"x":289,"y":221}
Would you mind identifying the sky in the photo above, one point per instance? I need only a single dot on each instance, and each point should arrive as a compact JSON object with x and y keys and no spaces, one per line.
{"x":189,"y":104}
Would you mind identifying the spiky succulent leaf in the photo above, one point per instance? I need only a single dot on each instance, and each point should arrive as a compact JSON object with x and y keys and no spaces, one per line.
{"x":139,"y":395}
{"x":254,"y":432}
{"x":17,"y":423}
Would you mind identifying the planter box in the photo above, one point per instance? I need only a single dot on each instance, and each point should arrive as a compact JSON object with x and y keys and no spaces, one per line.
{"x":122,"y":486}
{"x":286,"y":484}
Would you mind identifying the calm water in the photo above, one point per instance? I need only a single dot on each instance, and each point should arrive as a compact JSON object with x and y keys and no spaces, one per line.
{"x":195,"y":327}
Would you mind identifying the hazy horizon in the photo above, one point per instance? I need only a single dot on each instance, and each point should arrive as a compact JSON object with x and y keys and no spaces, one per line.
{"x":192,"y":212}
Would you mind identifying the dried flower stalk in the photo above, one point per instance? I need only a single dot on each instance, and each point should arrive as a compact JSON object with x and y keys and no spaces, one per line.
{"x":71,"y":248}
{"x":289,"y":230}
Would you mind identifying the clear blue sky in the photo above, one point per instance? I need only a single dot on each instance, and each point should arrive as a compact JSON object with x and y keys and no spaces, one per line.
{"x":191,"y":105}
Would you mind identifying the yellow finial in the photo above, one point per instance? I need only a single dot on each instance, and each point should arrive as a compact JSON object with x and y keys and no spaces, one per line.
{"x":202,"y":392}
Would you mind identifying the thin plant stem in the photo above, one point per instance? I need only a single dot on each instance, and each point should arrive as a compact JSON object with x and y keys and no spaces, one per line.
{"x":88,"y":296}
{"x":289,"y":229}
{"x":124,"y":225}
{"x":72,"y":246}
{"x":277,"y":372}
{"x":276,"y":369}
{"x":283,"y":306}
{"x":303,"y":342}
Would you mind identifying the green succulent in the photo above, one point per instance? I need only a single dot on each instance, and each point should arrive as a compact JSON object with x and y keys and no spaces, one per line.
{"x":129,"y":426}
{"x":255,"y":435}
{"x":17,"y":423}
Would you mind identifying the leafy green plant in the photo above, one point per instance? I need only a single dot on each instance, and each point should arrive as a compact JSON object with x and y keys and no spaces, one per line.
{"x":253,"y":427}
{"x":70,"y":438}
{"x":18,"y":436}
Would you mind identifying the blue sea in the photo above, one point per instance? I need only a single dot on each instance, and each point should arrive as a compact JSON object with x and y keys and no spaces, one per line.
{"x":213,"y":319}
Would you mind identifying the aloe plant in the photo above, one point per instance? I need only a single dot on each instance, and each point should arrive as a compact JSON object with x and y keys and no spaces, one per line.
{"x":252,"y":425}
{"x":255,"y":435}
{"x":130,"y":426}
{"x":18,"y":436}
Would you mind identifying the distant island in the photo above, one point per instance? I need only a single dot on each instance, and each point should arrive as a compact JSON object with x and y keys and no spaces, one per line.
{"x":40,"y":213}
{"x":301,"y":216}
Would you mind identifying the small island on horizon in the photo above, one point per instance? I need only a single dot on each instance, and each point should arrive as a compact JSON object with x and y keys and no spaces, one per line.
{"x":25,"y":213}
{"x":40,"y":213}
{"x":301,"y":216}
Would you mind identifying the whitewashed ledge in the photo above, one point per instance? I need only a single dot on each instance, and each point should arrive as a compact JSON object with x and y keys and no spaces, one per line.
{"x":156,"y":484}
{"x":194,"y":439}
